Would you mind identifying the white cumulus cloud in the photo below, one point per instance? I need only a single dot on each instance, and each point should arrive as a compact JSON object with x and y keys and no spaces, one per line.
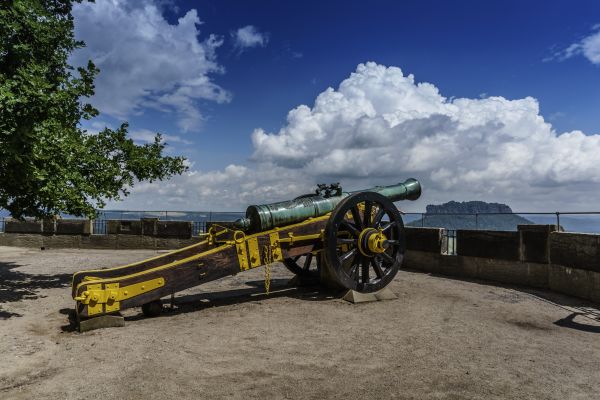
{"x":381,"y":126}
{"x":589,"y":47}
{"x":146,"y":62}
{"x":249,"y":36}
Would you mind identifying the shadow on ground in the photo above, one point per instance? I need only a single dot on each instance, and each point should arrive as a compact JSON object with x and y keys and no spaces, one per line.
{"x":279,"y":288}
{"x":578,"y":307}
{"x":17,"y":285}
{"x":569,"y":322}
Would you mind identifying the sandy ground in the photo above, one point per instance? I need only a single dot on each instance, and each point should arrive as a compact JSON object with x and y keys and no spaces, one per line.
{"x":441,"y":339}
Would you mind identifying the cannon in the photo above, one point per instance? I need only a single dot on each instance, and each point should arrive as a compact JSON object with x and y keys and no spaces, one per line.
{"x":352,"y":240}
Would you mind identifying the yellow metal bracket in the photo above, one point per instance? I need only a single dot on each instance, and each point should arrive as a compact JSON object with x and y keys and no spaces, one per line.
{"x":240,"y":247}
{"x":275,"y":247}
{"x":291,"y":239}
{"x":97,"y":298}
{"x":254,"y":253}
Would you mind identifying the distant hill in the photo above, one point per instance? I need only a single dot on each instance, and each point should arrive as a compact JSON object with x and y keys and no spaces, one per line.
{"x":448,"y":216}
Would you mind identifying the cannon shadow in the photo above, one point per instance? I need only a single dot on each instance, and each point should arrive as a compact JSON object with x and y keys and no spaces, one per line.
{"x":279,"y":288}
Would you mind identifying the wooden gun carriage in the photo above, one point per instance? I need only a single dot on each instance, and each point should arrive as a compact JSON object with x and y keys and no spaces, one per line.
{"x":352,"y":240}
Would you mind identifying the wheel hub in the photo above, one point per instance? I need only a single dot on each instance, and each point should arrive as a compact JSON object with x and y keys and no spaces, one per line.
{"x":371,"y":241}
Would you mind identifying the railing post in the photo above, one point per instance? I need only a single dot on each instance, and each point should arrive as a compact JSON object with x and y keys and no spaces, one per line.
{"x":422,"y":220}
{"x":558,"y":221}
{"x":476,"y":221}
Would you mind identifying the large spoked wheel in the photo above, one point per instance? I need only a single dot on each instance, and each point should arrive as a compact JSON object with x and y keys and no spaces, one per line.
{"x":364,"y":242}
{"x":305,"y":265}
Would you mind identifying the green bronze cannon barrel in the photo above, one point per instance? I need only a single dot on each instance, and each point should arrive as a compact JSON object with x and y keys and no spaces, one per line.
{"x":267,"y":216}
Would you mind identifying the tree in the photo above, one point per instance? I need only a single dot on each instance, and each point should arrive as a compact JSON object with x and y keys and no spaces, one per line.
{"x":48,"y":163}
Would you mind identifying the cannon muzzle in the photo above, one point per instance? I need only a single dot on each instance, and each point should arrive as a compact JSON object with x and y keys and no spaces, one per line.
{"x":268,"y":216}
{"x":410,"y":189}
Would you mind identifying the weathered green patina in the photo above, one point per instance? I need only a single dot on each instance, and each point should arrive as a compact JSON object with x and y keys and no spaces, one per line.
{"x":268,"y":216}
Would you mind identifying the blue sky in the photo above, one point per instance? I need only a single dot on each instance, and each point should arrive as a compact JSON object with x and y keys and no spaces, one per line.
{"x":475,"y":50}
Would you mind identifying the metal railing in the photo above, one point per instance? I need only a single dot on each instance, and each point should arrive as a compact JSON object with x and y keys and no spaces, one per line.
{"x":450,"y":242}
{"x":99,"y":227}
{"x":198,"y":228}
{"x":575,"y":221}
{"x":569,"y":221}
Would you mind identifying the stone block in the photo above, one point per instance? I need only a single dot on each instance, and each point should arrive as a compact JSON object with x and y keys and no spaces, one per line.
{"x":424,"y":239}
{"x":73,"y":227}
{"x":124,"y":227}
{"x":49,"y":226}
{"x":129,"y":242}
{"x":535,"y":242}
{"x":28,"y":226}
{"x":174,"y":229}
{"x":353,"y":296}
{"x":61,"y":241}
{"x":99,"y":242}
{"x":21,"y":239}
{"x":572,"y":281}
{"x":103,"y":321}
{"x":575,"y":250}
{"x":502,"y":245}
{"x":149,"y":226}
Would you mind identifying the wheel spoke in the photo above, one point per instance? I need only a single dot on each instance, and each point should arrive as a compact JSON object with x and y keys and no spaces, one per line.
{"x":378,"y":217}
{"x":351,"y":228}
{"x":392,"y":242}
{"x":344,"y":257}
{"x":367,"y":214}
{"x":353,"y":273}
{"x":356,"y":217}
{"x":388,"y":226}
{"x":387,"y":257}
{"x":365,"y":270}
{"x":307,"y":261}
{"x":377,"y":268}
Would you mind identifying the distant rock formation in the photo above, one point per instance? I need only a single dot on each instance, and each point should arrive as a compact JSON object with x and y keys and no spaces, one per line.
{"x":468,"y":207}
{"x":470,"y":215}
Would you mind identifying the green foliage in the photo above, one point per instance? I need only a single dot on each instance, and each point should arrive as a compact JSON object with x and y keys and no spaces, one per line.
{"x":48,"y":164}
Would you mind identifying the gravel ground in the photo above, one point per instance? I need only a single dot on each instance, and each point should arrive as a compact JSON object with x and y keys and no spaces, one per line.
{"x":441,"y":339}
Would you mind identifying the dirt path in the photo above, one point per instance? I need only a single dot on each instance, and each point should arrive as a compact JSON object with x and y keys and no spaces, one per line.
{"x":441,"y":338}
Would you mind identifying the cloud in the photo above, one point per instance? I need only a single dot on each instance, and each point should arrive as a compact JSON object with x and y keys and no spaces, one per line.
{"x":248,"y":37}
{"x":146,"y":62}
{"x":589,"y":47}
{"x":381,"y":126}
{"x":147,"y":136}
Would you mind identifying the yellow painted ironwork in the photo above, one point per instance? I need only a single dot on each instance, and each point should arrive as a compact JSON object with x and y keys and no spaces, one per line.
{"x":275,"y":248}
{"x":124,"y":267}
{"x":254,"y":253}
{"x":110,"y":297}
{"x":103,"y":295}
{"x":291,"y":239}
{"x":240,"y":247}
{"x":93,"y":299}
{"x":375,"y":242}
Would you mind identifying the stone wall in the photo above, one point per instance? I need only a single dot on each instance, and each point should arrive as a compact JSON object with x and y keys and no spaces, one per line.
{"x":148,"y":233}
{"x":536,"y":256}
